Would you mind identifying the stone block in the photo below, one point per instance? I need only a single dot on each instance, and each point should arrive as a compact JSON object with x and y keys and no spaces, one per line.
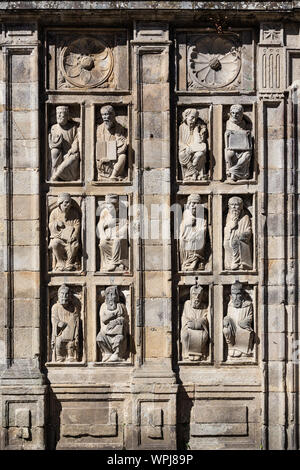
{"x":156,"y":97}
{"x":155,"y":343}
{"x":26,"y":284}
{"x":276,"y":318}
{"x":158,"y":311}
{"x":26,"y":312}
{"x":276,"y":272}
{"x":25,"y":154}
{"x":151,"y":68}
{"x":25,"y":182}
{"x":22,"y":68}
{"x":157,"y":284}
{"x":152,"y":125}
{"x":275,"y":181}
{"x":157,"y":258}
{"x":25,"y":207}
{"x":22,"y":343}
{"x":157,"y":181}
{"x":26,"y":258}
{"x":276,"y":346}
{"x":24,"y":97}
{"x":276,"y":245}
{"x":25,"y":125}
{"x":26,"y":232}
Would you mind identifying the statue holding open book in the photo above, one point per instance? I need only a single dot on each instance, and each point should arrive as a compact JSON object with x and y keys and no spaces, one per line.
{"x":111,"y":147}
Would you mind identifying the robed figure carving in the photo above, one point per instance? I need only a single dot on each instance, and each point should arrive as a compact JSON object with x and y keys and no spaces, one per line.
{"x":65,"y":228}
{"x":195,"y":326}
{"x":64,"y":147}
{"x":112,"y":230}
{"x":192,"y":146}
{"x":114,"y":327}
{"x":65,"y":320}
{"x":238,"y":323}
{"x":237,"y":236}
{"x":238,"y":144}
{"x":111,"y":146}
{"x":193,"y":231}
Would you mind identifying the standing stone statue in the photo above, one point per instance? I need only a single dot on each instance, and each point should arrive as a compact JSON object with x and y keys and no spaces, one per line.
{"x":237,"y":236}
{"x":111,"y":146}
{"x":238,"y":144}
{"x":238,"y":323}
{"x":64,"y":147}
{"x":65,"y":226}
{"x":195,"y":326}
{"x":112,"y":231}
{"x":192,"y":146}
{"x":65,"y":320}
{"x":113,"y":336}
{"x":193,"y":230}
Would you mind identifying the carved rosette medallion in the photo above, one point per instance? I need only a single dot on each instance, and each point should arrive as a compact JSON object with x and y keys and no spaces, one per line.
{"x":86,"y":62}
{"x":214,"y":61}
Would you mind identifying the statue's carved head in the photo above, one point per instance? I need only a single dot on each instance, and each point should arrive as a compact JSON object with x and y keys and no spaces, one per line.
{"x":62,"y":115}
{"x":108,"y":115}
{"x":190,"y":116}
{"x":235,"y":205}
{"x":64,"y":202}
{"x":63,"y":294}
{"x":237,"y":294}
{"x":111,"y":297}
{"x":236,"y":113}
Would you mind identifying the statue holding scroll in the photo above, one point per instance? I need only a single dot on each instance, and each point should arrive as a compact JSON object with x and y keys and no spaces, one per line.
{"x":195,"y":326}
{"x":238,"y":323}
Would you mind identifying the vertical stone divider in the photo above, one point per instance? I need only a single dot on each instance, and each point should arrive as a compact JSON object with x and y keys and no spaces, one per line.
{"x":22,"y":383}
{"x":292,"y":373}
{"x":275,"y":130}
{"x":154,"y":296}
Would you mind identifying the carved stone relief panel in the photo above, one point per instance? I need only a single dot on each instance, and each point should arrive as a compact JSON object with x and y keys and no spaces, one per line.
{"x":66,"y":342}
{"x":114,"y":324}
{"x":91,"y":59}
{"x":240,"y":163}
{"x":239,"y":323}
{"x":194,"y":156}
{"x":65,"y":233}
{"x":271,"y":34}
{"x":64,"y":144}
{"x":112,"y":234}
{"x":112,"y":153}
{"x":194,"y":233}
{"x":195,"y":323}
{"x":238,"y":232}
{"x":210,"y":61}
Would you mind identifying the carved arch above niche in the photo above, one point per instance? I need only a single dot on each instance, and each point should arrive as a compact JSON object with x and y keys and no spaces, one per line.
{"x":214,"y":61}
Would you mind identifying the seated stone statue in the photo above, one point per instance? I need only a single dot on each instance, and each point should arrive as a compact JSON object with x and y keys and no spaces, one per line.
{"x":113,"y":336}
{"x":113,"y":234}
{"x":238,"y":323}
{"x":237,"y":236}
{"x":65,"y":226}
{"x":65,"y":320}
{"x":193,"y":229}
{"x":64,"y":147}
{"x":192,"y":146}
{"x":238,"y":145}
{"x":195,"y":326}
{"x":111,"y":146}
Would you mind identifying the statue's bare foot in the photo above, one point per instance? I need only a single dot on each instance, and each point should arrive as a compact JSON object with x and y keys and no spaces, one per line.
{"x":114,"y":358}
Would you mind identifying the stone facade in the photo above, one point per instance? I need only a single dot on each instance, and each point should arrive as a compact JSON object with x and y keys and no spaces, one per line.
{"x":149,"y":213}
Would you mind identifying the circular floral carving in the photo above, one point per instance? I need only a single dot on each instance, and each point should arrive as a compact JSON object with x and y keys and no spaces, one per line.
{"x":214,"y":61}
{"x":86,"y":62}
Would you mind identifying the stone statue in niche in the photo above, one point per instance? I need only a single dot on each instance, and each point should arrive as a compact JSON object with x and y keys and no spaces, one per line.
{"x":192,"y":146}
{"x":237,"y":236}
{"x":112,"y":231}
{"x":195,"y":326}
{"x":238,"y":144}
{"x":114,"y":327}
{"x":238,"y":323}
{"x":65,"y":320}
{"x":111,"y":147}
{"x":193,"y":231}
{"x":65,"y":227}
{"x":64,"y":147}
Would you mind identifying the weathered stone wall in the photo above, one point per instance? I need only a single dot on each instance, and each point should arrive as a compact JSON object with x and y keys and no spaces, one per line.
{"x":149,"y":215}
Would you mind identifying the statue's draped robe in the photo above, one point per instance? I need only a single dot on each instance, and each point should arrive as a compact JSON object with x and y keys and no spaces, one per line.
{"x":241,"y":254}
{"x":192,"y":240}
{"x":113,"y":235}
{"x":110,"y":336}
{"x":186,"y":139}
{"x":61,"y":141}
{"x":197,"y":338}
{"x":239,"y":329}
{"x":241,"y":162}
{"x":116,"y":133}
{"x":68,"y":333}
